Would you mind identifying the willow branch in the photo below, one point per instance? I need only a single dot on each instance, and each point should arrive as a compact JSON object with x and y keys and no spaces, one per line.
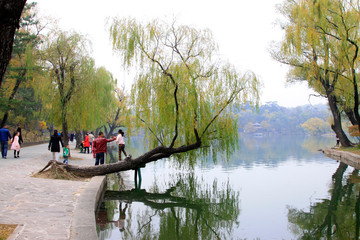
{"x":152,"y":132}
{"x":231,"y":98}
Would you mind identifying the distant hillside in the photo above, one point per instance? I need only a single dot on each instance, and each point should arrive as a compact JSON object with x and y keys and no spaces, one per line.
{"x":272,"y":118}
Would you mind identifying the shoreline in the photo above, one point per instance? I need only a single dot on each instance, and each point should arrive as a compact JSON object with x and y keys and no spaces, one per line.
{"x":348,"y":158}
{"x":83,"y":224}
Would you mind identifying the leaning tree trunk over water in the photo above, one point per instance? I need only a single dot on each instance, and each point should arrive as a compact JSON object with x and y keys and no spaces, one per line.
{"x":128,"y":164}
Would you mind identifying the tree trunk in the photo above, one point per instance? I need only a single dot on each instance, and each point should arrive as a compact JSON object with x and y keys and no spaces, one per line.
{"x":351,"y":116}
{"x":128,"y":164}
{"x":78,"y":138}
{"x":10,"y":13}
{"x":65,"y":127}
{"x":112,"y":125}
{"x":356,"y":94}
{"x":336,"y":127}
{"x":12,"y":96}
{"x":111,"y":130}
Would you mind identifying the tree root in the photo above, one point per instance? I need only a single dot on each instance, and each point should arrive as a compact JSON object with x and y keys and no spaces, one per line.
{"x":56,"y":170}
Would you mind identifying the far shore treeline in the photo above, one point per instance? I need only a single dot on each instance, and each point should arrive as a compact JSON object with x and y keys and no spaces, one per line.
{"x":271,"y":118}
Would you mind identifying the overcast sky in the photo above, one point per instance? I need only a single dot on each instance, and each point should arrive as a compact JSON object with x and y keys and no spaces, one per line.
{"x":243,"y":30}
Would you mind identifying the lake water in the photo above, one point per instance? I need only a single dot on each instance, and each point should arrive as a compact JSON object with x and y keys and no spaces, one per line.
{"x":278,"y":187}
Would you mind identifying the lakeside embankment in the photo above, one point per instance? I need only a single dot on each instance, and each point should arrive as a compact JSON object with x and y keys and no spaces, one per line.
{"x":47,"y":208}
{"x":349,"y":158}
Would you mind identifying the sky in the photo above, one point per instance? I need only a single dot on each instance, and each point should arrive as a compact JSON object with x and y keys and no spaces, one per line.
{"x":243,"y":30}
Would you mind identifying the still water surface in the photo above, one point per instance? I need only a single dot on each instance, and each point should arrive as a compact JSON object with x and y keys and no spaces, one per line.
{"x":271,"y":188}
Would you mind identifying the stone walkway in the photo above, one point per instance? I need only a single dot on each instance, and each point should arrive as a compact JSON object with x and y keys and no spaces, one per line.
{"x":43,"y":208}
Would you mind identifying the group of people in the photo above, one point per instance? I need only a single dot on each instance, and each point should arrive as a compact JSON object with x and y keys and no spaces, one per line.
{"x":16,"y":141}
{"x":98,"y":146}
{"x":87,"y":143}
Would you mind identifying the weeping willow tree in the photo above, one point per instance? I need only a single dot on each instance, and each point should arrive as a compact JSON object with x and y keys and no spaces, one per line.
{"x":181,"y":96}
{"x":75,"y":92}
{"x":93,"y":100}
{"x":321,"y":46}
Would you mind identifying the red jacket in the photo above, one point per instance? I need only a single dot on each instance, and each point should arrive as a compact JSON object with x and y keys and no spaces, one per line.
{"x":100,"y":144}
{"x":86,"y":142}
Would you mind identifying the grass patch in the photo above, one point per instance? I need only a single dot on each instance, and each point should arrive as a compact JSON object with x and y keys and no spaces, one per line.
{"x":6,"y":230}
{"x":355,"y":150}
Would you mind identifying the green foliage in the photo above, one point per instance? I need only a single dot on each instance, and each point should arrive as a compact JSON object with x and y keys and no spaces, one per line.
{"x":94,"y":99}
{"x":321,"y":47}
{"x":17,"y":97}
{"x":76,"y":93}
{"x":181,"y":94}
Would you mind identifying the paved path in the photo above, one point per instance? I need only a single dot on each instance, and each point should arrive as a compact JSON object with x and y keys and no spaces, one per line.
{"x":42,"y":207}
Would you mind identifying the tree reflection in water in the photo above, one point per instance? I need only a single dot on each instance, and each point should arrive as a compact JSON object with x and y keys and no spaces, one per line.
{"x":334,"y":218}
{"x":190,"y":209}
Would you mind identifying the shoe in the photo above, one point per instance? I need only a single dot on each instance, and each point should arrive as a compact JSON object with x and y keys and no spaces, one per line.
{"x":15,"y":156}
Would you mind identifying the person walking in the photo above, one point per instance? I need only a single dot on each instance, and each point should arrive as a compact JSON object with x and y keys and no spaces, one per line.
{"x":54,"y":145}
{"x":337,"y":141}
{"x":72,"y":136}
{"x":18,"y":130}
{"x":120,"y":141}
{"x":91,"y":139}
{"x":15,"y":145}
{"x":86,"y":144}
{"x":4,"y":140}
{"x":100,"y":148}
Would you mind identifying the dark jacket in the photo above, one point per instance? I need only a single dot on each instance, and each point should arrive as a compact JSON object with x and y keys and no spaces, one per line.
{"x":54,"y":143}
{"x":4,"y":134}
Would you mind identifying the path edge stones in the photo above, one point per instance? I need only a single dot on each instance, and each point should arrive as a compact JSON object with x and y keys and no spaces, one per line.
{"x":83,"y":225}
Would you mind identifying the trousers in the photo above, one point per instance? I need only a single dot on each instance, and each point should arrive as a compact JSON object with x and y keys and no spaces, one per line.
{"x":99,"y":158}
{"x":4,"y":148}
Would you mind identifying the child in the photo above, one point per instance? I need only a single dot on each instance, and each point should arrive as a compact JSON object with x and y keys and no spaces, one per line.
{"x":66,"y":154}
{"x":15,"y":145}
